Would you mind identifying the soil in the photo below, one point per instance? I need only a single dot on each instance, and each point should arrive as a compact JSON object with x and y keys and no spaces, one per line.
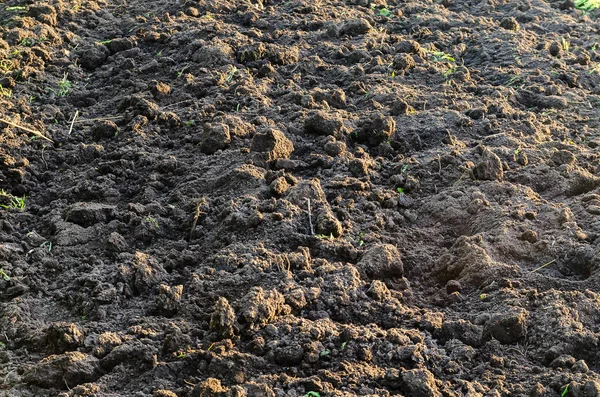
{"x":299,"y":198}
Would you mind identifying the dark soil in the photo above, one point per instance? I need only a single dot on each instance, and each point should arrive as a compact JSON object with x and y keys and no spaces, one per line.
{"x":299,"y":198}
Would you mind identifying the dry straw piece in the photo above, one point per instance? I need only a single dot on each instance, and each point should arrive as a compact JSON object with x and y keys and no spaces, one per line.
{"x":34,"y":132}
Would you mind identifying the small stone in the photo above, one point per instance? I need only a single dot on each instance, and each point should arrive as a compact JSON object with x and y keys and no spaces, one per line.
{"x":272,"y":145}
{"x":92,"y":56}
{"x":563,"y":361}
{"x":163,"y":393}
{"x":510,"y":23}
{"x":561,"y":157}
{"x":489,"y":168}
{"x":538,"y":390}
{"x":453,"y":286}
{"x":358,"y":168}
{"x":356,"y":27}
{"x":72,"y":368}
{"x":159,"y":89}
{"x":335,"y":148}
{"x":62,"y":337}
{"x":289,"y":355}
{"x":216,"y":137}
{"x":279,"y":186}
{"x":496,"y":361}
{"x":327,"y":224}
{"x":555,"y":49}
{"x":104,"y":129}
{"x":591,"y":388}
{"x":377,"y":129}
{"x":404,"y":62}
{"x":89,"y":213}
{"x":378,"y":291}
{"x":401,"y":108}
{"x":211,"y":387}
{"x":169,"y":298}
{"x":381,"y":261}
{"x":420,"y":383}
{"x":322,"y":123}
{"x":121,"y":44}
{"x":222,"y":321}
{"x":530,"y":236}
{"x":507,"y":328}
{"x":580,"y":366}
{"x":410,"y":47}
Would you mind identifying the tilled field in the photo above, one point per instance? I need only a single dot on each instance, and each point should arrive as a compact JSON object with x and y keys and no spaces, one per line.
{"x":299,"y":198}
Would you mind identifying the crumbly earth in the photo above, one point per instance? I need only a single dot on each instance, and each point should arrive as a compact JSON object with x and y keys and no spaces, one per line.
{"x":299,"y":198}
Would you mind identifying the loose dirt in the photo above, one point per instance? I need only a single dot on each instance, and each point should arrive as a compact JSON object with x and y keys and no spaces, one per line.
{"x":299,"y":198}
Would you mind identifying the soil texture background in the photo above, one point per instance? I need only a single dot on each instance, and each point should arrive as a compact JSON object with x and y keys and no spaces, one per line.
{"x":272,"y":198}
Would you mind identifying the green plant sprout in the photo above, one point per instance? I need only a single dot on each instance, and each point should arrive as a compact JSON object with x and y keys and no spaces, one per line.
{"x":16,"y":8}
{"x":400,"y":190}
{"x":343,"y":345}
{"x":14,"y":201}
{"x":324,"y":353}
{"x":47,"y":244}
{"x":587,"y":5}
{"x":4,"y":275}
{"x":565,"y":391}
{"x":323,"y":236}
{"x":564,"y":44}
{"x":5,"y":92}
{"x":2,"y":345}
{"x":64,"y":86}
{"x":105,"y":42}
{"x":440,"y":56}
{"x":152,"y":221}
{"x":384,"y":12}
{"x":232,"y":71}
{"x":312,"y":394}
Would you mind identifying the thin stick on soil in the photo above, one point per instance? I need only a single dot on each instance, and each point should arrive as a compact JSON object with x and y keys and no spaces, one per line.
{"x":73,"y":121}
{"x":196,"y":216}
{"x":34,"y":132}
{"x":312,"y":230}
{"x":98,"y":119}
{"x":543,"y":266}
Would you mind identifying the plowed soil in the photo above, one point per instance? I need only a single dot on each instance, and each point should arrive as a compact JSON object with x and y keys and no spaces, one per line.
{"x":299,"y":198}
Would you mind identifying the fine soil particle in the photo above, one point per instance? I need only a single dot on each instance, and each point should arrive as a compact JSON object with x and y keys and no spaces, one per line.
{"x":295,"y":198}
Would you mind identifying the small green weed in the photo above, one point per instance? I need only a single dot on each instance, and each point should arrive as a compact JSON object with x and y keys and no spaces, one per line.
{"x":312,"y":394}
{"x":2,"y":346}
{"x":325,"y":353}
{"x":64,"y":86}
{"x":564,"y":44}
{"x":565,"y":391}
{"x":6,"y":65}
{"x":27,"y":42}
{"x":343,"y":345}
{"x":360,"y":240}
{"x":384,"y":12}
{"x":400,"y":190}
{"x":151,"y":220}
{"x":14,"y":201}
{"x":5,"y":92}
{"x":4,"y":275}
{"x":105,"y":42}
{"x":190,"y":123}
{"x":323,"y":237}
{"x":440,"y":56}
{"x":231,"y":74}
{"x":16,"y":8}
{"x":587,"y":5}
